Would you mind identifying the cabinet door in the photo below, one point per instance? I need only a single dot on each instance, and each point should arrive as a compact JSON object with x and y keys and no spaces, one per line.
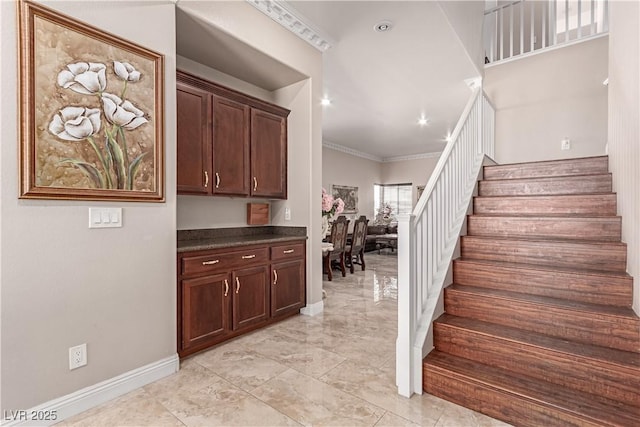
{"x":230,"y":147}
{"x":287,"y":287}
{"x":250,"y":296}
{"x":268,"y":155}
{"x":205,"y":310}
{"x":194,"y":140}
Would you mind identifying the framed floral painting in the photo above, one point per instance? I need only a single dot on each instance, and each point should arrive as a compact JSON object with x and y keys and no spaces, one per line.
{"x":91,"y":112}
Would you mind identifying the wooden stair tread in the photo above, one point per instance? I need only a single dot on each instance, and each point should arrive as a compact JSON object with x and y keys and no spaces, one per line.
{"x":606,"y":355}
{"x":555,"y":268}
{"x":550,"y":178}
{"x":535,"y":196}
{"x":549,"y":240}
{"x":549,"y":217}
{"x":554,"y":302}
{"x":554,"y":161}
{"x":590,"y":407}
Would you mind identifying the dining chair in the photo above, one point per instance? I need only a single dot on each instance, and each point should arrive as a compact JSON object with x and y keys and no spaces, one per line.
{"x":339,"y":240}
{"x":358,"y":240}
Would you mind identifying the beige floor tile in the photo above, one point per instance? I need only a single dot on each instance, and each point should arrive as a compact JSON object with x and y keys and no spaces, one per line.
{"x":312,"y":402}
{"x":392,"y":420}
{"x":378,"y":387}
{"x":239,"y":365}
{"x":191,"y":377}
{"x":456,"y":416}
{"x":137,"y":408}
{"x":310,"y":360}
{"x":222,"y":404}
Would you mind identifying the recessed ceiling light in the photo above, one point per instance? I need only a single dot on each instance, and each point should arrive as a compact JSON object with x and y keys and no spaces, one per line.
{"x":383,"y":26}
{"x":423,"y":121}
{"x":325,"y":101}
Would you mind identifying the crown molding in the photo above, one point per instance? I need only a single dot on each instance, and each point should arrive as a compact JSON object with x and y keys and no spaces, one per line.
{"x":285,"y":15}
{"x":412,"y":157}
{"x":351,"y":151}
{"x":354,"y":152}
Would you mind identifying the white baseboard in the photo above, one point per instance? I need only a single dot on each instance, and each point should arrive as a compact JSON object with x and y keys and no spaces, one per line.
{"x":72,"y":404}
{"x":313,"y":309}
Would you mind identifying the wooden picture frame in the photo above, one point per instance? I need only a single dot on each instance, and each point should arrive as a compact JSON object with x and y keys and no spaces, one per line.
{"x":91,"y":112}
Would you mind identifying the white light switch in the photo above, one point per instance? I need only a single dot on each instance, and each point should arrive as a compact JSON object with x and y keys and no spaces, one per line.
{"x":105,"y":217}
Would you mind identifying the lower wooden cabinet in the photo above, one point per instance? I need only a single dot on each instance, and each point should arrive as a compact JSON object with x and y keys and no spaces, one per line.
{"x":250,"y":297}
{"x":224,"y":293}
{"x":286,"y":294}
{"x":205,"y":310}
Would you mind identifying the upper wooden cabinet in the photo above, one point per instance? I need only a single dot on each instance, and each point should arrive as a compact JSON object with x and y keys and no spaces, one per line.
{"x":244,"y":141}
{"x":194,"y":139}
{"x":230,"y":147}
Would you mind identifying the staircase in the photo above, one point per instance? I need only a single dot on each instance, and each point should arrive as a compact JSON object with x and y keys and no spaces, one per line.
{"x":538,"y":328}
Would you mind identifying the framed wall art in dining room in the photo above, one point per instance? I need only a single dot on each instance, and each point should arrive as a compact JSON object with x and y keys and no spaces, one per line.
{"x":91,"y":112}
{"x":349,"y":196}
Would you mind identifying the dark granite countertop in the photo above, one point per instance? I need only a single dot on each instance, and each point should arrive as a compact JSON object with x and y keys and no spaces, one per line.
{"x":215,"y":238}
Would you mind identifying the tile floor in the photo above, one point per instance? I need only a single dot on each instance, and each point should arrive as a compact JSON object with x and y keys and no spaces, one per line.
{"x":337,"y":369}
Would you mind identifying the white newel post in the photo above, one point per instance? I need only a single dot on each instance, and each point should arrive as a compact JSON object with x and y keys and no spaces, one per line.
{"x":406,"y":308}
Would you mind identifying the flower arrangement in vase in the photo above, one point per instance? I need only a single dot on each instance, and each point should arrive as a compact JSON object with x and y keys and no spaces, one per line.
{"x":330,"y":208}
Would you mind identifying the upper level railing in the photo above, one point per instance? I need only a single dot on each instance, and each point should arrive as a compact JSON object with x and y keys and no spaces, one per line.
{"x":427,"y":238}
{"x":524,"y":27}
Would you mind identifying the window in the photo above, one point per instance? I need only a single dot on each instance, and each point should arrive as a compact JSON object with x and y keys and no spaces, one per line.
{"x":398,"y":196}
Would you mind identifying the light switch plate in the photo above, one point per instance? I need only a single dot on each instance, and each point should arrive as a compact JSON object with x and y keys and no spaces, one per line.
{"x":105,"y":217}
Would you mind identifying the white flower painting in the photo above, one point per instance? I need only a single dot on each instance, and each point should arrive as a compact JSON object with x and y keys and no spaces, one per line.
{"x":92,"y":105}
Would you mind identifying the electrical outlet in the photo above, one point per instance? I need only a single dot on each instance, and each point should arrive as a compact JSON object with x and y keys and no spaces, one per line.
{"x":565,"y":144}
{"x":287,"y":214}
{"x":77,"y":356}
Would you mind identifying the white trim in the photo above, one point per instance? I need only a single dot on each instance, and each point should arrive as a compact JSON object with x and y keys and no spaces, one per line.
{"x":285,"y":15}
{"x":357,"y":153}
{"x":412,"y":157}
{"x":312,"y":309}
{"x":79,"y":401}
{"x":544,"y":50}
{"x":353,"y":152}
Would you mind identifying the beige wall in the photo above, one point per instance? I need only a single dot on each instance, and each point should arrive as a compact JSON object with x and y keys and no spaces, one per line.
{"x":417,"y":172}
{"x":466,"y":19}
{"x":63,"y":284}
{"x":624,"y":132}
{"x":345,"y":169}
{"x":549,"y":96}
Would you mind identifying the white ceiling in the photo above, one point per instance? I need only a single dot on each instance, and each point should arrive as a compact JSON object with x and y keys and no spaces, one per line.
{"x":380,"y":84}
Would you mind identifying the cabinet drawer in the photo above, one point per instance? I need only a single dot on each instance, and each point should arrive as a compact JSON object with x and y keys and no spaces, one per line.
{"x":225,"y":261}
{"x":293,"y":250}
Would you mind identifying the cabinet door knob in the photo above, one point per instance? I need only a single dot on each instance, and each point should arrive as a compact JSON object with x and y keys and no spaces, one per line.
{"x":248,"y":256}
{"x":237,"y":285}
{"x":206,"y":179}
{"x":288,"y":251}
{"x":275,"y":279}
{"x":226,"y":287}
{"x":255,"y":183}
{"x":217,"y":180}
{"x":215,"y":261}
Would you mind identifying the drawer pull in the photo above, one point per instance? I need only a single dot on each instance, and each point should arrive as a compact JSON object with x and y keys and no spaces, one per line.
{"x":206,"y":179}
{"x":248,"y":256}
{"x":288,"y":251}
{"x":215,"y":261}
{"x":275,"y":274}
{"x":217,"y":180}
{"x":237,"y":285}
{"x":226,"y":287}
